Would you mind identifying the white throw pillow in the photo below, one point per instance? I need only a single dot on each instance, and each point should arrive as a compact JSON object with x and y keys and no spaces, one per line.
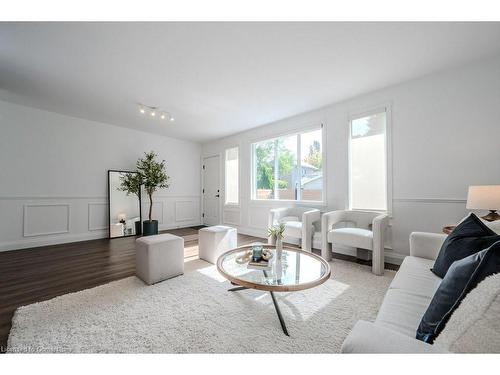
{"x":475,"y":326}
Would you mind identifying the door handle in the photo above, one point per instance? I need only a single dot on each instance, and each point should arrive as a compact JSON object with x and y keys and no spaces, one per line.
{"x":217,"y":196}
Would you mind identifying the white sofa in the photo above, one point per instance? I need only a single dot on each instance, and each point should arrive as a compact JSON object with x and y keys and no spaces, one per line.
{"x":300,"y":224}
{"x":405,"y":302}
{"x":363,"y":230}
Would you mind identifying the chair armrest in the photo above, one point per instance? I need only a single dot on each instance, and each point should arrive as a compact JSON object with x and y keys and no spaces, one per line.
{"x":379,"y":226}
{"x":367,"y":337}
{"x":328,"y":219}
{"x":311,"y":216}
{"x":308,"y":218}
{"x":426,"y":245}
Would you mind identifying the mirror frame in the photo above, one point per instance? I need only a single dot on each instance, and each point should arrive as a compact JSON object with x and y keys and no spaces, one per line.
{"x":109,"y":205}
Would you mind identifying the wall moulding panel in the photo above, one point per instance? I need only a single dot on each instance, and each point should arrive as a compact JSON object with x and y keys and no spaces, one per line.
{"x":44,"y":219}
{"x":184,"y":210}
{"x":98,"y":216}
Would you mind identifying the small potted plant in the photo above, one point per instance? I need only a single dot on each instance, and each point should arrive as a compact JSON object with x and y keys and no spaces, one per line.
{"x":130,"y":183}
{"x":276,"y":232}
{"x":153,"y":176}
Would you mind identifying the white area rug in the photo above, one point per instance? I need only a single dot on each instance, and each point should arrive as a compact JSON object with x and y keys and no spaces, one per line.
{"x":195,"y":313}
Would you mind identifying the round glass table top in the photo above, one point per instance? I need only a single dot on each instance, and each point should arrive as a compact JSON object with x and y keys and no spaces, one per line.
{"x":296,"y":270}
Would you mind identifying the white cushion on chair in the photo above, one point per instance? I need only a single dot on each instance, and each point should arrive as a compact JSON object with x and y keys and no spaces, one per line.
{"x":293,"y":229}
{"x":355,"y":237}
{"x":216,"y":240}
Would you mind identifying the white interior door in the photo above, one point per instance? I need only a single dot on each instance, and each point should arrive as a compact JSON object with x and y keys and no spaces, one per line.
{"x":211,"y":190}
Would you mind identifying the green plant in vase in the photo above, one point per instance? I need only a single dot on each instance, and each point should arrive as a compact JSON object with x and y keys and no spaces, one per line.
{"x":153,"y":176}
{"x":276,"y":232}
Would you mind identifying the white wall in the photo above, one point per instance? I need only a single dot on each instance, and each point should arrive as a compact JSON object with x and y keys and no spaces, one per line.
{"x":53,"y":176}
{"x":445,"y":137}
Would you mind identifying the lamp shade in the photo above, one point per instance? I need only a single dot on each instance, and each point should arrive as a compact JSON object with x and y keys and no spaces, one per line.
{"x":122,"y":216}
{"x":485,"y":197}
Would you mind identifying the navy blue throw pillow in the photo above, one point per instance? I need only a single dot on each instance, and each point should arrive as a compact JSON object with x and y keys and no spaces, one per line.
{"x":461,"y":278}
{"x":469,"y":237}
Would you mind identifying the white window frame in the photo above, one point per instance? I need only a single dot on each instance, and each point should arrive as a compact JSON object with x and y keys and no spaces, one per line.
{"x":387,"y":108}
{"x":232,"y":204}
{"x":297,"y":131}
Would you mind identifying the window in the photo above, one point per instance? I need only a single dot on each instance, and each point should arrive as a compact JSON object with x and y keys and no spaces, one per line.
{"x":289,"y":167}
{"x":232,"y":176}
{"x":368,"y":162}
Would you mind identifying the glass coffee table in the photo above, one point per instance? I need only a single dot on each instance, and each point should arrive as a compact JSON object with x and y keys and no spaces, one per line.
{"x":296,"y":270}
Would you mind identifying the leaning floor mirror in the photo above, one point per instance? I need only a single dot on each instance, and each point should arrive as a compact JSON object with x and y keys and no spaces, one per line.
{"x":124,"y":194}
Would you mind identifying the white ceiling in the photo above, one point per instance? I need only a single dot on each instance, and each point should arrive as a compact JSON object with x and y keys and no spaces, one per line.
{"x":221,"y":78}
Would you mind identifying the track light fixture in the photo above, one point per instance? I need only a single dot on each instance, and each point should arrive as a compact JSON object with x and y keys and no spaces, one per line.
{"x":155,"y":112}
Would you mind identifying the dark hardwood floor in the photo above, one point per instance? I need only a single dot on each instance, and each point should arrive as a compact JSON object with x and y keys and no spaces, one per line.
{"x":38,"y":274}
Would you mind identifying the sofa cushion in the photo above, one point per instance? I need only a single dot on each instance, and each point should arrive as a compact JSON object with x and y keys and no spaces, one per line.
{"x":469,"y":237}
{"x":355,"y":237}
{"x":367,"y":337}
{"x":462,"y":277}
{"x":402,"y":311}
{"x":474,"y":327}
{"x":415,"y":277}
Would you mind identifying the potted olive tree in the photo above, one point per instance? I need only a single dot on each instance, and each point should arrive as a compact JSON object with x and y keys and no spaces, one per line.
{"x":131,"y":182}
{"x":153,"y":177}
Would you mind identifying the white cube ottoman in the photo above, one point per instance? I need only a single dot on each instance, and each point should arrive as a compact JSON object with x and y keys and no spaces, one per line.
{"x":159,"y":257}
{"x":213,"y":241}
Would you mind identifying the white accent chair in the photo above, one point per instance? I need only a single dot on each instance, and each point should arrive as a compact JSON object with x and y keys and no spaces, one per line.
{"x":300,"y":224}
{"x":365,"y":230}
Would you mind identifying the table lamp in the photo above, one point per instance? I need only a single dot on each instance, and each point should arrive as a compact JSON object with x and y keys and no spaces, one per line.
{"x":122,"y":217}
{"x":485,"y":197}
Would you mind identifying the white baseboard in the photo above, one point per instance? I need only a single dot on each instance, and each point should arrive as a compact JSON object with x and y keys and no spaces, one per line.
{"x":68,"y":238}
{"x":46,"y":241}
